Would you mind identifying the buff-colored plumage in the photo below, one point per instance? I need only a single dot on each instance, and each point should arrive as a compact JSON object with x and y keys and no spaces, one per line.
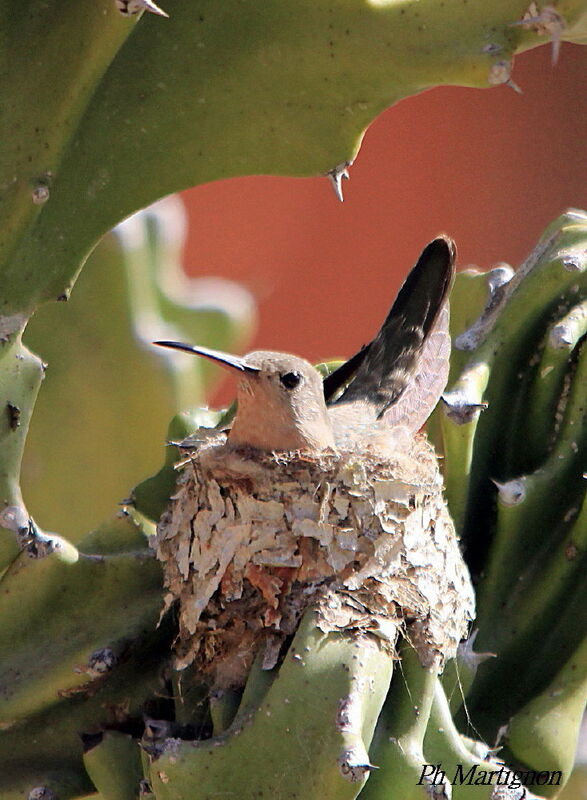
{"x":379,"y":398}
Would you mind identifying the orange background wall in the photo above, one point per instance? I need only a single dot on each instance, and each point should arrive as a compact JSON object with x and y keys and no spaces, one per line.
{"x":490,"y":167}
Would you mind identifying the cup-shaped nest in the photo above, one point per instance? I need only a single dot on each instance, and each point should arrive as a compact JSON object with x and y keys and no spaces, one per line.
{"x":251,"y":539}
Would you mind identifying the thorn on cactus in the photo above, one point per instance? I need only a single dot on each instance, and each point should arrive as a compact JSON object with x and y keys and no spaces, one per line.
{"x":572,"y":263}
{"x":571,"y":551}
{"x":492,"y":48}
{"x":40,"y":194}
{"x":130,"y":8}
{"x":460,"y":410}
{"x":468,"y":656}
{"x":501,"y":733}
{"x":101,"y":661}
{"x":498,"y":277}
{"x":157,"y":730}
{"x":566,"y":334}
{"x":546,"y":23}
{"x":560,"y":337}
{"x":145,"y":790}
{"x":437,"y":791}
{"x":511,"y":493}
{"x":41,"y":793}
{"x":501,"y":73}
{"x":336,"y":175}
{"x":353,"y":768}
{"x":13,"y":413}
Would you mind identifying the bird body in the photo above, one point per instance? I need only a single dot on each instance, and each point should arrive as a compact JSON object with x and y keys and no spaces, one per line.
{"x":390,"y":385}
{"x":349,"y":521}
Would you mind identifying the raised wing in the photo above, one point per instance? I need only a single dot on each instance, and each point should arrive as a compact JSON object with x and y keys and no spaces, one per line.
{"x":399,"y":377}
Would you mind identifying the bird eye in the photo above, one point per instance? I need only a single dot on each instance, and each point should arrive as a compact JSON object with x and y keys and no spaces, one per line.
{"x":290,"y":379}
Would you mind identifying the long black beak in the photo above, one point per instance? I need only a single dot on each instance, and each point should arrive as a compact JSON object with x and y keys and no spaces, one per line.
{"x":225,"y":359}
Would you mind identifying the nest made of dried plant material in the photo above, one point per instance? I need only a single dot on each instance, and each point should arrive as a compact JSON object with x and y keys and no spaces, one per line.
{"x":251,"y":539}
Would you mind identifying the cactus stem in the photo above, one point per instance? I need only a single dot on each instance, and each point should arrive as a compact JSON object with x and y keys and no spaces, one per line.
{"x":224,"y":705}
{"x":497,"y":281}
{"x":548,"y":249}
{"x":534,"y":592}
{"x":445,"y":745}
{"x":549,"y":387}
{"x":399,"y":738}
{"x":114,"y":765}
{"x":458,"y":439}
{"x":353,"y":761}
{"x":471,"y":385}
{"x":314,"y":708}
{"x":258,"y":683}
{"x":541,"y":279}
{"x":539,"y":734}
{"x":34,"y":542}
{"x":567,"y":332}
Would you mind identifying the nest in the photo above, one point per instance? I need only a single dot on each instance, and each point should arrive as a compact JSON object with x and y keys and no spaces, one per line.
{"x":250,"y":540}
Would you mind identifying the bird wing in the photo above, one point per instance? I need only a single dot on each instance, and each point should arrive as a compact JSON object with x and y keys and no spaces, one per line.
{"x":399,"y":376}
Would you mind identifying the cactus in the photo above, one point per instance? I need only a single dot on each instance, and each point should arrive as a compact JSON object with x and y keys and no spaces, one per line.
{"x":89,"y":404}
{"x":517,"y":480}
{"x":104,"y":113}
{"x":251,"y":740}
{"x":153,"y":106}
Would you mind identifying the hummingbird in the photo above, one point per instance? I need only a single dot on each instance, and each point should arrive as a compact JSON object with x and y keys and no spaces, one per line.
{"x":391,"y":384}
